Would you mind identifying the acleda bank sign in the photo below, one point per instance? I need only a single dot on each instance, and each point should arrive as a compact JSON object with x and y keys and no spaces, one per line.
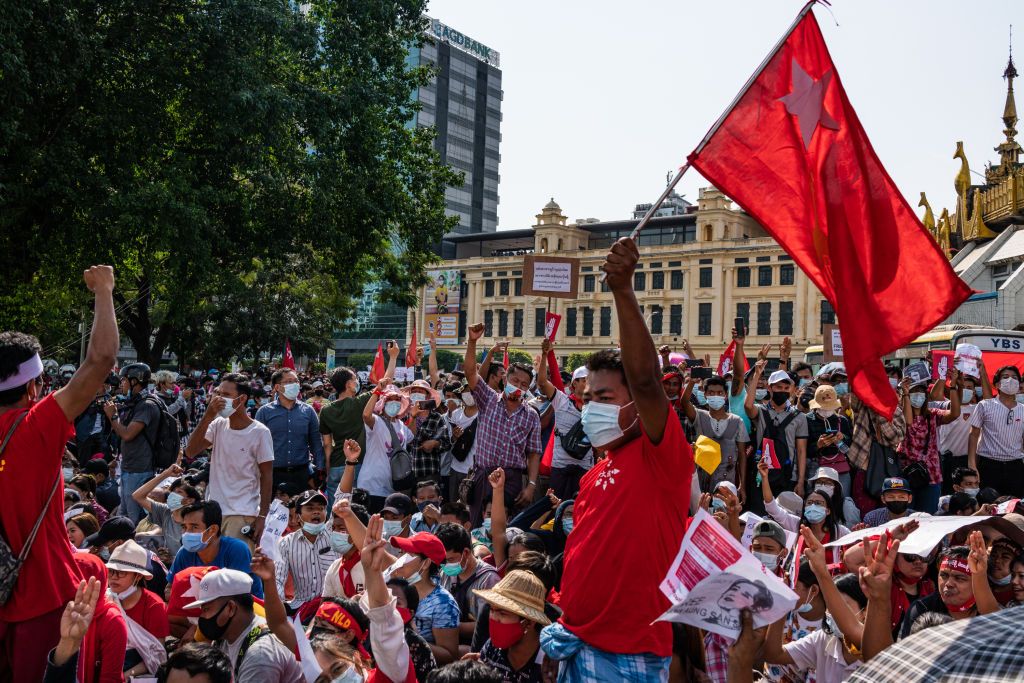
{"x":464,"y":43}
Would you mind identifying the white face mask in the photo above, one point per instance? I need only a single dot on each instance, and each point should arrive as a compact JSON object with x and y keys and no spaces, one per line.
{"x":770,"y":561}
{"x":229,"y":407}
{"x":827,"y":488}
{"x":69,"y":473}
{"x":291,"y":391}
{"x":825,"y":413}
{"x":601,"y":423}
{"x":1009,"y":385}
{"x":123,"y":595}
{"x":468,"y":399}
{"x":967,"y":395}
{"x":416,"y":398}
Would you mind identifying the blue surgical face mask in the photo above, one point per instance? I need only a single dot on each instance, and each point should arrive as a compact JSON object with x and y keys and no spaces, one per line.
{"x":973,"y":493}
{"x":718,"y":504}
{"x":486,"y":526}
{"x":804,"y":382}
{"x":104,"y":554}
{"x":174,"y":501}
{"x":601,"y":423}
{"x":842,"y":389}
{"x":451,"y":569}
{"x":815,"y":513}
{"x":699,"y":396}
{"x":893,"y":382}
{"x":512,"y":390}
{"x":966,"y":395}
{"x":978,"y":392}
{"x":392,"y":408}
{"x":251,"y":403}
{"x":761,"y":394}
{"x":917,"y":399}
{"x":716,"y":402}
{"x":313,"y":529}
{"x":193,"y":542}
{"x":340,"y":543}
{"x":567,"y":525}
{"x":291,"y":391}
{"x":392,"y":527}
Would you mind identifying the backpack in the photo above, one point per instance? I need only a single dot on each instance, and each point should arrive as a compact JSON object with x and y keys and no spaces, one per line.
{"x":777,"y":433}
{"x":575,"y":442}
{"x":402,"y":476}
{"x":167,"y":444}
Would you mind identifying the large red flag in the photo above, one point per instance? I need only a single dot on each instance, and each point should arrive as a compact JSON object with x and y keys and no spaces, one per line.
{"x":791,"y":151}
{"x":289,"y":360}
{"x":410,"y":352}
{"x":377,"y":370}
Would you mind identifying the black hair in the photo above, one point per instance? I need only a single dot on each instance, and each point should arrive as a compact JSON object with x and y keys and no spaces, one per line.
{"x":806,"y":575}
{"x":210,"y":510}
{"x":425,"y":483}
{"x":891,"y":370}
{"x":529,"y":541}
{"x":606,"y":359}
{"x":197,"y":659}
{"x":995,"y":377}
{"x":830,"y":523}
{"x":835,"y":501}
{"x":465,"y":671}
{"x":454,"y":537}
{"x":360,"y":497}
{"x":802,"y":366}
{"x":956,"y":552}
{"x":240,"y":381}
{"x":520,"y":367}
{"x":537,"y":564}
{"x":361,"y":513}
{"x":353,"y":608}
{"x":849,"y":585}
{"x":276,"y":378}
{"x":15,"y":349}
{"x":987,"y":495}
{"x":244,"y":601}
{"x":716,"y":381}
{"x":493,"y":369}
{"x":341,"y":377}
{"x":958,"y":502}
{"x":458,"y":510}
{"x":929,"y":619}
{"x":961,"y":472}
{"x":189,"y":490}
{"x":412,"y":596}
{"x":84,"y":482}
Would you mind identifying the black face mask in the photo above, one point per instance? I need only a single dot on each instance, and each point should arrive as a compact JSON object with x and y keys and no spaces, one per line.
{"x":779,"y":398}
{"x":897,"y":507}
{"x":209,"y":626}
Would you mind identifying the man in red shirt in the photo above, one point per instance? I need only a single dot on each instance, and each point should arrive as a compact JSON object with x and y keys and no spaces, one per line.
{"x":30,"y":467}
{"x":613,"y":566}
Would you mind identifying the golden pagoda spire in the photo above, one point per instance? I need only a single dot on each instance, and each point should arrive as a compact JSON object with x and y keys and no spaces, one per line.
{"x":1009,"y":150}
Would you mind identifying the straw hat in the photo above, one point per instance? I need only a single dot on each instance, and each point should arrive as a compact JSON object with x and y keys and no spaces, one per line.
{"x":421,"y":386}
{"x":825,"y":397}
{"x":520,"y":592}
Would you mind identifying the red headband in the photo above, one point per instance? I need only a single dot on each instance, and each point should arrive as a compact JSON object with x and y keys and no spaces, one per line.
{"x":955,"y":564}
{"x":666,"y":377}
{"x":338,"y":616}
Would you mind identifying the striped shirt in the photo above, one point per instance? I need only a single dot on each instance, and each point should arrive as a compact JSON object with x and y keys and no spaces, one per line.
{"x":504,"y":439}
{"x":308,"y":564}
{"x":1002,"y":430}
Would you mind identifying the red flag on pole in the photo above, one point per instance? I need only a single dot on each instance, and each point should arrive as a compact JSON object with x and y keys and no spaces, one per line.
{"x":551,"y":321}
{"x":728,"y":359}
{"x":504,"y":361}
{"x":289,"y":360}
{"x":791,"y":151}
{"x":378,"y":369}
{"x":410,"y":352}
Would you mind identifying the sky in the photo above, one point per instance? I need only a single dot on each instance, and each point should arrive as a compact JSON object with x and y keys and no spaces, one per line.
{"x":602,"y":99}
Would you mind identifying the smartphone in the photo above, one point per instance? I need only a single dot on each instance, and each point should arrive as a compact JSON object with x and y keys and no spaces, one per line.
{"x":773,"y":364}
{"x":701,"y":373}
{"x":694,"y":362}
{"x":428,"y":405}
{"x":741,"y":327}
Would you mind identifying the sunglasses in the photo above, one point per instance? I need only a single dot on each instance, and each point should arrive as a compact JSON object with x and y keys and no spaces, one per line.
{"x":916,"y":558}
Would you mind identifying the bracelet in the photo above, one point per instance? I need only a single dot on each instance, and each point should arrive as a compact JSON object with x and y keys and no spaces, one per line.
{"x":351,"y":464}
{"x":531,"y":483}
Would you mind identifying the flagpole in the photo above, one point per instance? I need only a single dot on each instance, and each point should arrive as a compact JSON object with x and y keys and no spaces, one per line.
{"x":721,"y":119}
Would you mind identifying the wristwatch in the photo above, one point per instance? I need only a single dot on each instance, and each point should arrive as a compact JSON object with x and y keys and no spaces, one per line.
{"x":531,"y":483}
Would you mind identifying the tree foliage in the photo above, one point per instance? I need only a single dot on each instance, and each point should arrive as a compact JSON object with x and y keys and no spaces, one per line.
{"x":576,"y":359}
{"x":245,"y":166}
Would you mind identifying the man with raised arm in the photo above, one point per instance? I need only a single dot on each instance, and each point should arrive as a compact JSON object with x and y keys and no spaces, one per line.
{"x":606,"y":632}
{"x":30,"y":471}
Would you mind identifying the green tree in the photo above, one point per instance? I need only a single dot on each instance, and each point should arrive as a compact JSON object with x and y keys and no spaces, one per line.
{"x":204,"y":149}
{"x":576,"y":359}
{"x":446,"y":361}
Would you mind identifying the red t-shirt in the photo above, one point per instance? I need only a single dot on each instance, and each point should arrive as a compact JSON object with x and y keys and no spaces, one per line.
{"x":631,"y":515}
{"x":28,"y":467}
{"x":150,"y":613}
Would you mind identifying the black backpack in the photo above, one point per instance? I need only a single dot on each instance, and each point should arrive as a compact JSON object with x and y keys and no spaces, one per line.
{"x":167,"y":444}
{"x":402,"y":476}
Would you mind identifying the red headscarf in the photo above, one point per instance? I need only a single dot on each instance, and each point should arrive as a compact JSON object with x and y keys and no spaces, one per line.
{"x":105,"y":619}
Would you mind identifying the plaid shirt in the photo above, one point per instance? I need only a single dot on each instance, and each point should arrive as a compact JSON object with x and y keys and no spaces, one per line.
{"x":716,"y":657}
{"x":433,"y":427}
{"x":503,"y":439}
{"x":866,"y":423}
{"x":985,"y":648}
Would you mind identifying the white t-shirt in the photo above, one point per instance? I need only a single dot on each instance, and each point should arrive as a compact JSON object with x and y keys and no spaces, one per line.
{"x":566,"y":417}
{"x":234,"y":465}
{"x":333,"y":588}
{"x":822,"y":653}
{"x":459,"y":419}
{"x":375,"y":474}
{"x":954,"y":436}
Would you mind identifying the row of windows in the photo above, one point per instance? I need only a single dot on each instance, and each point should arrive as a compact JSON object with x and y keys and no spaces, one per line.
{"x":503,"y":287}
{"x":640,"y":281}
{"x":787,"y":275}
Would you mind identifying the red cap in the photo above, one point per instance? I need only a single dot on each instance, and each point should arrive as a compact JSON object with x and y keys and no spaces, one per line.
{"x":421,"y":544}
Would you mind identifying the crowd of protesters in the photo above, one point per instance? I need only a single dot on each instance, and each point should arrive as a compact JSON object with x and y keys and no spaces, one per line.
{"x":498,"y":522}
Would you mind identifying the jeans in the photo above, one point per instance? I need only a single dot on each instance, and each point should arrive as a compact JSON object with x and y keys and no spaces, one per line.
{"x":333,"y":479}
{"x":130,"y":481}
{"x":926,"y":498}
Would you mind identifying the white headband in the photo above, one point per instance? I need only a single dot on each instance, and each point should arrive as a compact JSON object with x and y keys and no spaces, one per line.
{"x":27,"y":371}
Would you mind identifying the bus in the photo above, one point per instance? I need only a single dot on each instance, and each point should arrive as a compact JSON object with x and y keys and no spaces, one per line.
{"x":942,"y":338}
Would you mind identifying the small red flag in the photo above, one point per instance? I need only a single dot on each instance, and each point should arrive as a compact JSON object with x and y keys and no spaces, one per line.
{"x":551,"y":321}
{"x":505,"y":359}
{"x":289,"y":360}
{"x":378,"y":369}
{"x":410,"y":352}
{"x":792,"y":152}
{"x":768,"y":454}
{"x":728,"y":360}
